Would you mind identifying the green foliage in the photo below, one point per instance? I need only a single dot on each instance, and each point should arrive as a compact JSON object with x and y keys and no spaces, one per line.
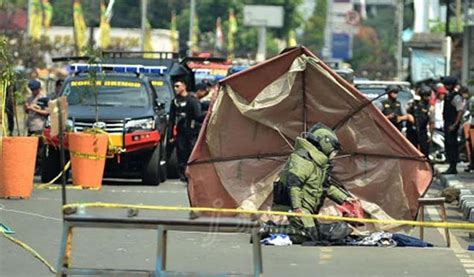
{"x":313,"y":36}
{"x":378,"y":58}
{"x":127,"y":14}
{"x":94,"y":58}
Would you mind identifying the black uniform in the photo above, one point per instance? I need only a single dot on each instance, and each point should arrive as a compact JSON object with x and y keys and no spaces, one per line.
{"x":417,"y":133}
{"x":392,"y":107}
{"x":185,"y":113}
{"x":451,"y":137}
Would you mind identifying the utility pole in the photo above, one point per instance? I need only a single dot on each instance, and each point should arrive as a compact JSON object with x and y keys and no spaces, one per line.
{"x":30,"y":10}
{"x":400,"y":10}
{"x":191,"y":27}
{"x":144,"y":8}
{"x":327,"y":49}
{"x":448,"y":18}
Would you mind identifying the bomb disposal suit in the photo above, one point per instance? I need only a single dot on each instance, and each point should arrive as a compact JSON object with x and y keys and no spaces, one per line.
{"x":303,"y":183}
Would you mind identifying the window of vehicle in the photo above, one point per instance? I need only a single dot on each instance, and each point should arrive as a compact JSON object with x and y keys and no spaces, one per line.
{"x":162,"y":92}
{"x":109,"y":93}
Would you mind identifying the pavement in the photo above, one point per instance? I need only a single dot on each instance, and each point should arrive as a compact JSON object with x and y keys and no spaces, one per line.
{"x":37,"y":222}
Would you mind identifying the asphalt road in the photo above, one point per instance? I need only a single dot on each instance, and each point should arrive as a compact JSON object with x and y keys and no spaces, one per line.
{"x":37,"y":222}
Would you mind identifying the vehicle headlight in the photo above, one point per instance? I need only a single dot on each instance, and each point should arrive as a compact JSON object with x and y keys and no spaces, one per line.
{"x":69,"y":125}
{"x":140,"y":124}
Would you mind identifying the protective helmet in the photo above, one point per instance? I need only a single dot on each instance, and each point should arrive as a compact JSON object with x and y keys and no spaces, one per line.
{"x":34,"y":85}
{"x":324,"y":139}
{"x":392,"y":88}
{"x":450,"y":81}
{"x":425,"y":91}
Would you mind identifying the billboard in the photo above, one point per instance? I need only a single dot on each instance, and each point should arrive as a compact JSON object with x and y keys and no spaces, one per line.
{"x":427,"y":65}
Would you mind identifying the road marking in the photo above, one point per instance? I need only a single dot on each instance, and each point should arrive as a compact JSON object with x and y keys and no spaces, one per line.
{"x":456,"y":247}
{"x":325,"y":255}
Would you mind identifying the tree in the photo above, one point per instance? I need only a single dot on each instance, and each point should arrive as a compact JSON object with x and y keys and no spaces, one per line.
{"x":313,"y":36}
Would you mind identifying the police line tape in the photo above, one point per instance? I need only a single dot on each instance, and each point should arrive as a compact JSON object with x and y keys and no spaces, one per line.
{"x":29,"y":249}
{"x":427,"y":224}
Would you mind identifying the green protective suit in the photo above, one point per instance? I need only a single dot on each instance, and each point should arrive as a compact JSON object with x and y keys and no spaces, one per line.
{"x":303,"y":180}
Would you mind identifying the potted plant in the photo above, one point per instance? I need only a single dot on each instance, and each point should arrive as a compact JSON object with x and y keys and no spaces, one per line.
{"x":17,"y":154}
{"x":88,"y":149}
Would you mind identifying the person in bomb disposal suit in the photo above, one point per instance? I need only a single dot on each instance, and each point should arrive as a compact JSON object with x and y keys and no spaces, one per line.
{"x":185,"y":113}
{"x":305,"y":181}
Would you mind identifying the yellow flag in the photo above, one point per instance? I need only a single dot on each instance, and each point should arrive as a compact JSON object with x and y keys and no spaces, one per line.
{"x":292,"y":39}
{"x":195,"y":35}
{"x":104,"y":27}
{"x":80,"y":28}
{"x":232,"y":31}
{"x":147,"y":44}
{"x":36,"y":19}
{"x":48,"y":15}
{"x":174,"y":33}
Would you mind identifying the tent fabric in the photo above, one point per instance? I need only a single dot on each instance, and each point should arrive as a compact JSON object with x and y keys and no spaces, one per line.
{"x":252,"y":126}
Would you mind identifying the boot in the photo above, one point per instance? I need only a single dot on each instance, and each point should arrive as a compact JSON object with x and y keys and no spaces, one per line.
{"x":451,"y":170}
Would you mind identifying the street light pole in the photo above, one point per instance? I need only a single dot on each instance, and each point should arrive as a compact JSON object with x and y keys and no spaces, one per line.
{"x":400,"y":7}
{"x":191,"y":27}
{"x":144,"y":6}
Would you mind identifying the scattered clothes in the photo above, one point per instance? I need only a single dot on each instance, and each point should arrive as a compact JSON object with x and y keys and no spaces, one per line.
{"x":375,"y":239}
{"x":277,"y":239}
{"x":407,"y":241}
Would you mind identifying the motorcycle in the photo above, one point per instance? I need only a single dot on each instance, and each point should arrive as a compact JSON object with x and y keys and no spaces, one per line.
{"x":437,"y":148}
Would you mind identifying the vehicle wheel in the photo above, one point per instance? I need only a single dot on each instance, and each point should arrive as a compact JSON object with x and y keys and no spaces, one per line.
{"x":152,"y":169}
{"x":50,"y":165}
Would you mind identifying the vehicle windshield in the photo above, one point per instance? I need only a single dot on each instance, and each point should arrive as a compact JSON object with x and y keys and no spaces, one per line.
{"x":404,"y":96}
{"x":109,"y":93}
{"x":372,"y":92}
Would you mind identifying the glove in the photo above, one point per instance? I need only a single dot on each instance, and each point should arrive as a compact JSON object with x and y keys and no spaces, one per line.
{"x":352,"y":208}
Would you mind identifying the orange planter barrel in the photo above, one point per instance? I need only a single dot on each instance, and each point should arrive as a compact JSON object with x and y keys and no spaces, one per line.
{"x":88,"y":154}
{"x":17,"y":166}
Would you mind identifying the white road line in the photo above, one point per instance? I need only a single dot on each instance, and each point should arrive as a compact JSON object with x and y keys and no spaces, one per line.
{"x":467,"y":263}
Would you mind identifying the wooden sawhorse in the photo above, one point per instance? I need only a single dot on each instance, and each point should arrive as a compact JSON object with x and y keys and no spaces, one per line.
{"x":439,"y":201}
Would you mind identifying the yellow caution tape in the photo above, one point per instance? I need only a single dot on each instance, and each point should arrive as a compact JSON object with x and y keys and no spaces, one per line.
{"x":429,"y":224}
{"x":31,"y":250}
{"x":87,"y":156}
{"x":66,"y":167}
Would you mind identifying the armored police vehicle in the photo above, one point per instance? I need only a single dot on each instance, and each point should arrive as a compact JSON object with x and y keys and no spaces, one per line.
{"x":132,"y":98}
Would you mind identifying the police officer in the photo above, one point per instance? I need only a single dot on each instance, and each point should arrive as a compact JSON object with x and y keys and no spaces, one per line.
{"x":422,"y":118}
{"x":391,"y":107}
{"x":303,"y":183}
{"x":185,"y":113}
{"x":452,"y":114}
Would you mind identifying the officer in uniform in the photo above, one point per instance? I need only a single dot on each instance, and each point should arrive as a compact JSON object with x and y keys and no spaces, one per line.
{"x":185,"y":113}
{"x":303,"y":183}
{"x":422,"y":118}
{"x":391,"y":107}
{"x":452,"y":114}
